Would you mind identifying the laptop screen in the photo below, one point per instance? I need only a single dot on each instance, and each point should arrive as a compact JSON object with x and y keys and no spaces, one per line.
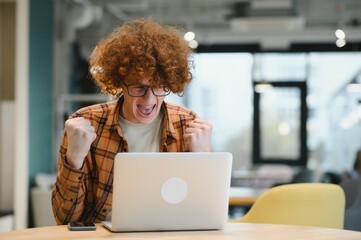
{"x":170,"y":191}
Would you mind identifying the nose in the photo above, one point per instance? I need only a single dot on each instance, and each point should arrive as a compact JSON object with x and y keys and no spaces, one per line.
{"x":148,"y":94}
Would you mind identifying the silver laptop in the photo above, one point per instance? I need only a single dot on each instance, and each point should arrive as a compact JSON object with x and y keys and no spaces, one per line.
{"x":170,"y":191}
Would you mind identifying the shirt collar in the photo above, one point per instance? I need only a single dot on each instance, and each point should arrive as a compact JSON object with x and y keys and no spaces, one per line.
{"x":168,"y":127}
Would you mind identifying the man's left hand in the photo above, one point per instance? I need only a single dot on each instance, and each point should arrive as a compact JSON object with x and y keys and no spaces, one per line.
{"x":197,"y":136}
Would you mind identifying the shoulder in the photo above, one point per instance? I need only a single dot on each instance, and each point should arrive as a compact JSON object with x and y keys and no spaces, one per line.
{"x":96,"y":111}
{"x":175,"y":110}
{"x":178,"y":114}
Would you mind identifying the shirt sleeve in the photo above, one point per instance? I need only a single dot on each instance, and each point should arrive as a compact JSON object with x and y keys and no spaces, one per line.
{"x":69,"y":190}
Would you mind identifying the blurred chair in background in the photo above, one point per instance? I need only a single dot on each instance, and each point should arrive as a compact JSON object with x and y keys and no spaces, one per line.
{"x":6,"y":221}
{"x":355,"y":172}
{"x":337,"y":178}
{"x":41,"y":200}
{"x":305,"y":204}
{"x":352,"y":188}
{"x":331,"y":177}
{"x":305,"y":175}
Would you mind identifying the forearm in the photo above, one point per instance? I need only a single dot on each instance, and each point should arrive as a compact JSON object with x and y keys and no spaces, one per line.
{"x":68,"y":193}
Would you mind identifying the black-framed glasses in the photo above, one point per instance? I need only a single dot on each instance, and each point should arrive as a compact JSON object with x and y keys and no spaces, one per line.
{"x":139,"y":90}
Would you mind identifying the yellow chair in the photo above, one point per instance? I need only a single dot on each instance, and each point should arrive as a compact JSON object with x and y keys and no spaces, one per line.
{"x":307,"y":204}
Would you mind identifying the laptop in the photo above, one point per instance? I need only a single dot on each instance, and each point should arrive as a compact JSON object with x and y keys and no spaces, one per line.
{"x":170,"y":191}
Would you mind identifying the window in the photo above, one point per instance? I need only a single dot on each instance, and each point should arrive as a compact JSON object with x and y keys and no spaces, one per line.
{"x":222,"y":92}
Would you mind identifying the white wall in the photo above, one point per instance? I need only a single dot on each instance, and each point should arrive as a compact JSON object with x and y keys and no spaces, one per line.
{"x":21,"y":131}
{"x":7,"y":155}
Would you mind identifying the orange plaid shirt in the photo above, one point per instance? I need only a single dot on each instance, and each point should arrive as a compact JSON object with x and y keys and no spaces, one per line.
{"x":86,"y":194}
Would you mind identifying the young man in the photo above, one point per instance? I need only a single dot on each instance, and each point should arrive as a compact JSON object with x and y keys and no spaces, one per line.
{"x":140,"y":62}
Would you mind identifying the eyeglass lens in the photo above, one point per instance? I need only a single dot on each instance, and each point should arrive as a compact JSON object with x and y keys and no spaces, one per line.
{"x":139,"y":90}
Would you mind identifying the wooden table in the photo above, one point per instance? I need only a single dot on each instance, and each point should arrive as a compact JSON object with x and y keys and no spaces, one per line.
{"x":239,"y":231}
{"x":243,"y":196}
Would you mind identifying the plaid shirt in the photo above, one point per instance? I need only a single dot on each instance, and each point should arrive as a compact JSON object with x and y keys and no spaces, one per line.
{"x":86,"y":194}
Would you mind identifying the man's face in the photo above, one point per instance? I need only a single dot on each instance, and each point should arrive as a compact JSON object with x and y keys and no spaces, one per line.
{"x":141,"y":109}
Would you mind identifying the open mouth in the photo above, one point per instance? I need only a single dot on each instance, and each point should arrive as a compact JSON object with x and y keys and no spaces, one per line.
{"x":146,"y":110}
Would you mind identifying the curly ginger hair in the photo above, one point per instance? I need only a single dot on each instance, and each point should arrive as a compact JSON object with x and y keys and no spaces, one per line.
{"x":142,"y":48}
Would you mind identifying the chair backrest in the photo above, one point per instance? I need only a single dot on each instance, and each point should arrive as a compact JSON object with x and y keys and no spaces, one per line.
{"x":307,"y":204}
{"x":352,"y":190}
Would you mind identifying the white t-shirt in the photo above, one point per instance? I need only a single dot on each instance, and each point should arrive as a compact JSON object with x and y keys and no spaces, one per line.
{"x":142,"y":137}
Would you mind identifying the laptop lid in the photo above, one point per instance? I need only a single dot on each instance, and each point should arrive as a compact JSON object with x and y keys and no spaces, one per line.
{"x":170,"y":191}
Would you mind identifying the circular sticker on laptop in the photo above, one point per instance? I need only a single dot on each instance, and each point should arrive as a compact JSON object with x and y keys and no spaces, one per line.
{"x":174,"y":190}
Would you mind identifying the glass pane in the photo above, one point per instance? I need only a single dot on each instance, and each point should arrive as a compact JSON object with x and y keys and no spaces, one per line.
{"x":221,"y":92}
{"x":280,"y":123}
{"x":280,"y":67}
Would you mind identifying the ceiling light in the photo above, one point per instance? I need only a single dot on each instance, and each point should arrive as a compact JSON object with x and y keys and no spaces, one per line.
{"x":340,"y":42}
{"x":193,"y":44}
{"x":340,"y":34}
{"x":189,"y":36}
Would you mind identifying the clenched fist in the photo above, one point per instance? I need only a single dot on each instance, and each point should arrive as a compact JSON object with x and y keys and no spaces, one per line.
{"x":80,"y":135}
{"x":198,"y":136}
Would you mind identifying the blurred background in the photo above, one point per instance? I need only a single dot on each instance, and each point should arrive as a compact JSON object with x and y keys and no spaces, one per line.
{"x":279,"y":79}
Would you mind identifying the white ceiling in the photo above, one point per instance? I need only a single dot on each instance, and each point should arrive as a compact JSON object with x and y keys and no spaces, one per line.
{"x":272,"y":23}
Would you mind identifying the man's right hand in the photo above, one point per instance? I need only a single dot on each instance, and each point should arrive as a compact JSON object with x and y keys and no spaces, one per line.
{"x":80,"y":135}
